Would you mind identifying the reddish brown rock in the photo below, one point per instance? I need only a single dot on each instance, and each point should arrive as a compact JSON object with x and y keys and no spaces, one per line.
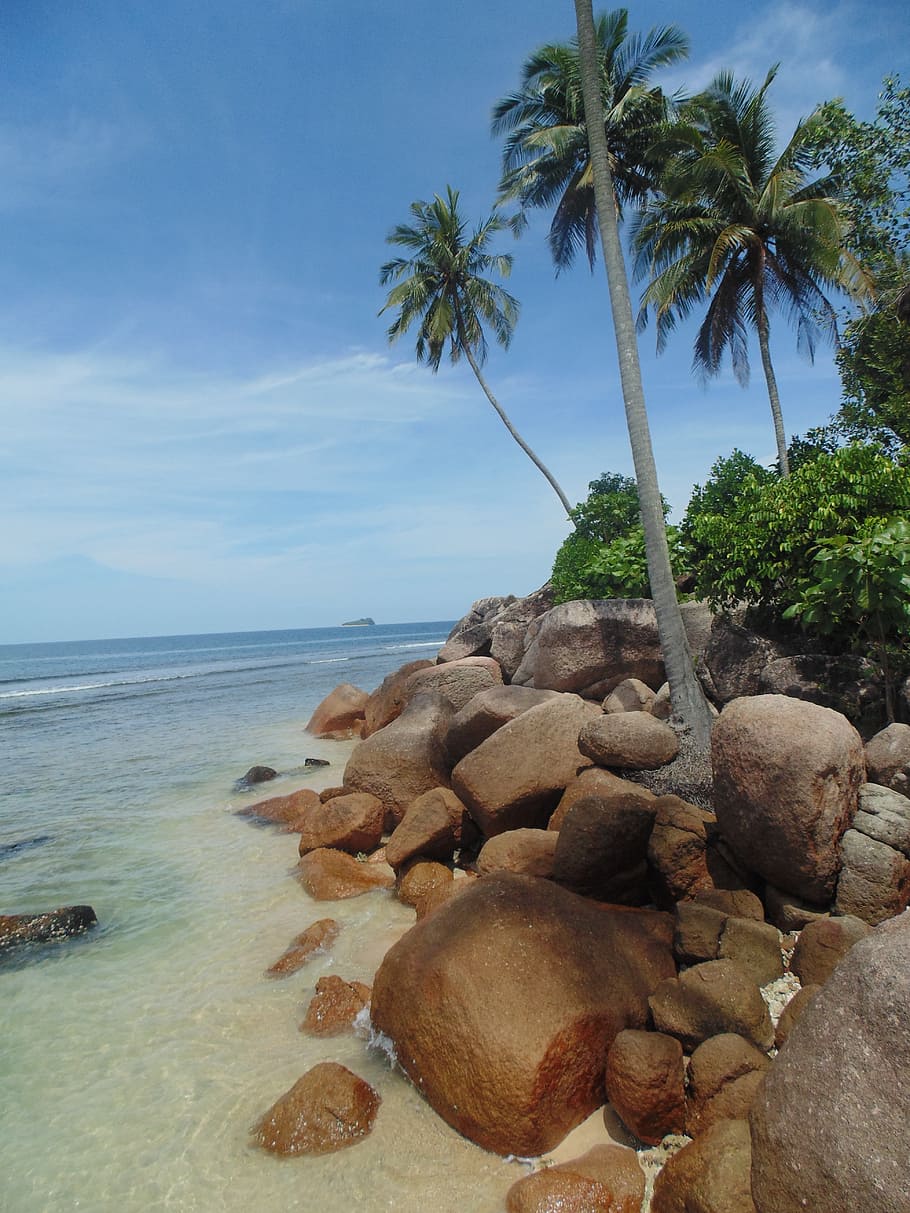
{"x":595,"y":781}
{"x":416,"y":881}
{"x":646,"y":1084}
{"x":698,"y":931}
{"x":436,"y":895}
{"x":787,"y":775}
{"x":386,"y":702}
{"x":282,"y":810}
{"x":329,"y":875}
{"x":607,"y":1179}
{"x":822,"y":945}
{"x":341,"y":713}
{"x":710,"y":1175}
{"x":829,"y":1126}
{"x":724,"y":1075}
{"x":467,"y":974}
{"x":791,"y":1013}
{"x":588,"y":647}
{"x":405,"y":759}
{"x":602,"y":847}
{"x":708,"y":999}
{"x":754,"y":946}
{"x":434,"y":826}
{"x":318,"y":937}
{"x":327,"y":794}
{"x":737,"y":903}
{"x":678,"y":850}
{"x":515,"y":778}
{"x":529,"y":852}
{"x":789,"y":913}
{"x":635,"y":740}
{"x":485,"y":713}
{"x":350,"y":823}
{"x":327,"y":1109}
{"x":334,"y":1006}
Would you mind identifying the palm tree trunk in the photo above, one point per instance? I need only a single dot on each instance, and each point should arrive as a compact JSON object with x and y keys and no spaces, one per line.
{"x":686,"y":696}
{"x":771,"y":380}
{"x":466,"y":348}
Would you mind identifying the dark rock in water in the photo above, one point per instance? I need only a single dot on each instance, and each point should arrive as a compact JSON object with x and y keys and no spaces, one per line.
{"x":22,"y":844}
{"x":316,"y":762}
{"x":16,"y":929}
{"x":256,"y":775}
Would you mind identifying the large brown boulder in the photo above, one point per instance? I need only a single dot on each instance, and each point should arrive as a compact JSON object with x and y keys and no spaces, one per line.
{"x":646,"y":1084}
{"x":515,"y":778}
{"x":708,"y":999}
{"x":434,"y":826}
{"x":387,"y":701}
{"x":485,"y":713}
{"x":340,"y":714}
{"x":830,"y":1124}
{"x":888,"y":758}
{"x":633,"y":740}
{"x":327,"y":1109}
{"x":678,"y":849}
{"x":588,"y":647}
{"x":602,"y":846}
{"x":404,"y":759}
{"x":468,"y":975}
{"x":329,"y":875}
{"x":529,"y":852}
{"x":725,"y":1073}
{"x":457,"y":681}
{"x":595,"y":781}
{"x":710,"y":1175}
{"x":350,"y":823}
{"x":786,"y":786}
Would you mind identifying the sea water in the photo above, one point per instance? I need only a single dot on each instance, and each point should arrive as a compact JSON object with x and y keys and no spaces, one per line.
{"x":134,"y":1059}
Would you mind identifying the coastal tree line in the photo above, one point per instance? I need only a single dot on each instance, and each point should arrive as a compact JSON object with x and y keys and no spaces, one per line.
{"x":723,"y":224}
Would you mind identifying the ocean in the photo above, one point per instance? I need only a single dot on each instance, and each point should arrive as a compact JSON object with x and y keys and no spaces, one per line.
{"x":135,"y":1059}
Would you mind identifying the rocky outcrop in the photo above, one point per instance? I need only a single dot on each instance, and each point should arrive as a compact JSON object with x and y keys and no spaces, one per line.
{"x":595,"y":781}
{"x":512,"y":626}
{"x":467,"y":973}
{"x":327,"y":1109}
{"x":404,"y":759}
{"x":515,"y":778}
{"x":786,"y":786}
{"x":874,"y":882}
{"x":829,"y":1126}
{"x":589,"y":647}
{"x":16,"y":929}
{"x":341,"y":713}
{"x":318,"y":937}
{"x":472,"y":635}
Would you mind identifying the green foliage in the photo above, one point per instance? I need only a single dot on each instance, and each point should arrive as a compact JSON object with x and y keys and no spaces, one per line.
{"x":721,"y":489}
{"x":860,"y":593}
{"x":874,"y":363}
{"x":759,"y":549}
{"x":604,"y":557}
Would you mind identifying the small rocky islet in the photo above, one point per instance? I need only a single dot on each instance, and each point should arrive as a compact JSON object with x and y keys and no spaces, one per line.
{"x":714,"y":951}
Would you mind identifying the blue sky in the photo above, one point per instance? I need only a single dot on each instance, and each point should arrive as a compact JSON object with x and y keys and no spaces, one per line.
{"x":202,"y":426}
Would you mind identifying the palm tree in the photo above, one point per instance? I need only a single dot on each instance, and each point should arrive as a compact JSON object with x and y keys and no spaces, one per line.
{"x":545,"y":158}
{"x":746,"y":230}
{"x":441,"y":283}
{"x":686,"y":695}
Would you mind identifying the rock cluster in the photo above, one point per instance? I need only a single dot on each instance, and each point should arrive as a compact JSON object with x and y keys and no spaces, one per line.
{"x":542,"y":981}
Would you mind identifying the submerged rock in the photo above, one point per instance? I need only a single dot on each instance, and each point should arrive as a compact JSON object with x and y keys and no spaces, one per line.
{"x":16,"y":929}
{"x":327,"y":1109}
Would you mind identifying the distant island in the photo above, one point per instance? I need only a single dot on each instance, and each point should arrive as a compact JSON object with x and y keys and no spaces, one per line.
{"x":360,"y":623}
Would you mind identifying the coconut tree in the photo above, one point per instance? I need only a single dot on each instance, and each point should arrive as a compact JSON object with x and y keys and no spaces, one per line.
{"x":441,"y":284}
{"x":546,"y":162}
{"x":742,"y":228}
{"x":686,"y":696}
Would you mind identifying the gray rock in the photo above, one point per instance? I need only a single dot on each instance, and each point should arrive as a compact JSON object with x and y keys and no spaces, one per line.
{"x":634,"y":740}
{"x":472,"y":635}
{"x":888,"y":757}
{"x":510,"y":628}
{"x":847,"y":684}
{"x":831,"y":1125}
{"x":17,"y":929}
{"x":884,"y":814}
{"x":874,"y":883}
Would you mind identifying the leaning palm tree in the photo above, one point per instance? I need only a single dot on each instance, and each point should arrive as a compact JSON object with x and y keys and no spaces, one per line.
{"x":744,"y":229}
{"x":441,"y":284}
{"x":546,"y":161}
{"x":686,"y":695}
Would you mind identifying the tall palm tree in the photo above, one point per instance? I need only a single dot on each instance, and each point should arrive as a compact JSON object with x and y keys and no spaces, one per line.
{"x":545,"y":158}
{"x":686,"y":695}
{"x":743,"y":228}
{"x":441,"y":283}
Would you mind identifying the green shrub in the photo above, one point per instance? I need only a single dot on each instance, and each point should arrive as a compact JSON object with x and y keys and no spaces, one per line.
{"x":759,"y":549}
